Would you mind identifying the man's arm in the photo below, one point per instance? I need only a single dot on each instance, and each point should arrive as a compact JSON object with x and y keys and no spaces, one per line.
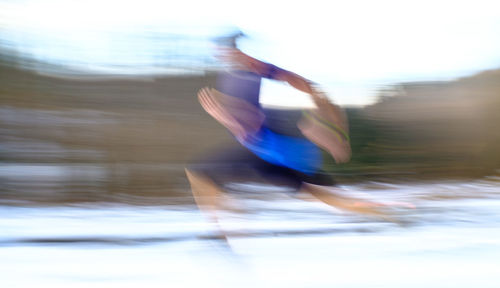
{"x":241,"y":118}
{"x":328,"y":128}
{"x":246,"y":62}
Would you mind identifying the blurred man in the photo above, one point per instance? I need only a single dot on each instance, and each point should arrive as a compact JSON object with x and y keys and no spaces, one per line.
{"x":295,"y":158}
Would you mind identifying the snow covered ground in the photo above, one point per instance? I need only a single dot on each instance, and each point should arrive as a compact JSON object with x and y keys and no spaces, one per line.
{"x":450,"y":239}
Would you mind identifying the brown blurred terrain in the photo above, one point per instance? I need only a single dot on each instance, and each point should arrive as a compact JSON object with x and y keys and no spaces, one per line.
{"x":439,"y":129}
{"x":95,"y":138}
{"x":139,"y":132}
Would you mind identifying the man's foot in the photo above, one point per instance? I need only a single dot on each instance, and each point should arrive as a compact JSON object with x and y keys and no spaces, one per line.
{"x":343,"y":202}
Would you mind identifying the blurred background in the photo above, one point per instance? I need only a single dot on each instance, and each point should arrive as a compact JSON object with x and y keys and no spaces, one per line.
{"x":98,"y":101}
{"x":98,"y":107}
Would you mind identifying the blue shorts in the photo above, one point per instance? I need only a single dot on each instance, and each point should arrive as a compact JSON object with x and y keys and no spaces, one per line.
{"x":238,"y":164}
{"x":288,"y":151}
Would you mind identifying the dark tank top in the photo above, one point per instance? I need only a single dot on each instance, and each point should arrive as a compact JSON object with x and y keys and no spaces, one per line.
{"x":279,"y":140}
{"x":246,"y":85}
{"x":241,"y":84}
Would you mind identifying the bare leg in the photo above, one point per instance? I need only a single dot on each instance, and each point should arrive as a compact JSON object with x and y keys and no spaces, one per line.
{"x":206,"y":194}
{"x":351,"y":204}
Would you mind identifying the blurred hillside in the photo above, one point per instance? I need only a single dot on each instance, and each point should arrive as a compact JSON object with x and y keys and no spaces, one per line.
{"x":431,"y":129}
{"x":94,"y":136}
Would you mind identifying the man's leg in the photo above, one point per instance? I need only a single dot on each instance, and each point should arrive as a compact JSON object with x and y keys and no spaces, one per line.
{"x":328,"y":196}
{"x":208,"y":173}
{"x":206,"y":193}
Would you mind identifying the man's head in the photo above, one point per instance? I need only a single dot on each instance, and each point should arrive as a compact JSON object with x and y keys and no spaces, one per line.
{"x":229,"y":40}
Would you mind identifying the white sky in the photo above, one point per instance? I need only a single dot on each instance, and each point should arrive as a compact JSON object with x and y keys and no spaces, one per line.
{"x":351,"y":47}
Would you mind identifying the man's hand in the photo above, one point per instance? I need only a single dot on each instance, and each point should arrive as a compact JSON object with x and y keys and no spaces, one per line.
{"x":327,"y":127}
{"x":238,"y":116}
